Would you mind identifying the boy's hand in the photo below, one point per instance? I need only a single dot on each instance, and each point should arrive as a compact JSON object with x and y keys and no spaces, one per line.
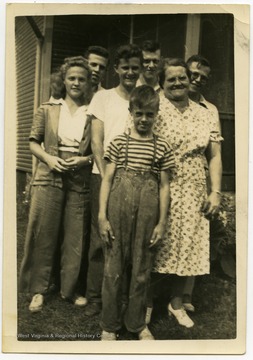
{"x":105,"y":231}
{"x":157,"y":235}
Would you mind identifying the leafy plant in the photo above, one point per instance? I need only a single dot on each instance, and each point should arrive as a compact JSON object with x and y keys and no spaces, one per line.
{"x":222,"y":237}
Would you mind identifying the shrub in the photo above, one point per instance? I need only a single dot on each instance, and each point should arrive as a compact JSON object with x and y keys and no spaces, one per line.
{"x":222,"y":237}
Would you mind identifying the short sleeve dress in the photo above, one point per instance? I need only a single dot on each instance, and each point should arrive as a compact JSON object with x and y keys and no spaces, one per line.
{"x":185,"y":248}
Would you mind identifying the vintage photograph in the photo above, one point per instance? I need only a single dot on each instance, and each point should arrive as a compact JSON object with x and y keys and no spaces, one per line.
{"x":126,"y":167}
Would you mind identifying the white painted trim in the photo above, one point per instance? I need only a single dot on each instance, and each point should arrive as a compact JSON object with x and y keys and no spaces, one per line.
{"x":192,"y":35}
{"x":131,"y":35}
{"x":37,"y":89}
{"x":46,"y":59}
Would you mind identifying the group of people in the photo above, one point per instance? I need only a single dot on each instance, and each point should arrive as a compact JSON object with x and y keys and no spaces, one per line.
{"x":135,"y":173}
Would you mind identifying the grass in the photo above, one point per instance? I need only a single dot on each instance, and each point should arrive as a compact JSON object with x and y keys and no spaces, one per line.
{"x":214,"y":298}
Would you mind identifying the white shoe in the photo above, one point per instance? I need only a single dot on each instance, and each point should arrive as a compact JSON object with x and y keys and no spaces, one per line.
{"x":189,"y":307}
{"x":76,"y":299}
{"x":181,"y":316}
{"x":79,"y":300}
{"x":145,"y":334}
{"x":36,"y":303}
{"x":108,"y":336}
{"x":148,"y":315}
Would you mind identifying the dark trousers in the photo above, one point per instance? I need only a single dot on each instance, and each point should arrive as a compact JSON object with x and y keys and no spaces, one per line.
{"x":96,"y":252}
{"x":133,"y":214}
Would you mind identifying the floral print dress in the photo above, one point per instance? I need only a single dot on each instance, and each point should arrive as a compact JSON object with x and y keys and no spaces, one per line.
{"x":185,"y":248}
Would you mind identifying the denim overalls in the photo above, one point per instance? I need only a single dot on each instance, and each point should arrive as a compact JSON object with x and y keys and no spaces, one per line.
{"x":133,"y":211}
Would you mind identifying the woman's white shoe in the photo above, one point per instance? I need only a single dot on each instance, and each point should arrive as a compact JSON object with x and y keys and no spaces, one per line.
{"x":36,"y":303}
{"x":181,"y":316}
{"x":76,"y":299}
{"x":189,"y":307}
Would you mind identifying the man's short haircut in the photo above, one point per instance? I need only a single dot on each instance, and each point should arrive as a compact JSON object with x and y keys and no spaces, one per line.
{"x":201,"y":60}
{"x":97,"y":50}
{"x":166,"y":63}
{"x":150,"y":45}
{"x":126,"y":52}
{"x":142,"y":96}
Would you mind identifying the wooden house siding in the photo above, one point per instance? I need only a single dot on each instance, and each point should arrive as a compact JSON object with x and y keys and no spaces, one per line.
{"x":26,"y":45}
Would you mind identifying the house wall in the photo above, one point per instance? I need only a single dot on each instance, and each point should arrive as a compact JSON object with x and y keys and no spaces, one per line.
{"x":217,"y":45}
{"x":180,"y":35}
{"x":26,"y":44}
{"x":73,"y":34}
{"x":26,"y":48}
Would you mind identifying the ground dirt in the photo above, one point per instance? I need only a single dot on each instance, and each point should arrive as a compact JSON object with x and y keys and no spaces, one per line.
{"x":214,"y":299}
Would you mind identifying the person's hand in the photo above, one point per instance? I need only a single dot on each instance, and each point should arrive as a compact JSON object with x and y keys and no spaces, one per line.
{"x":76,"y":162}
{"x":56,"y":164}
{"x":211,"y":205}
{"x":105,"y":231}
{"x":157,"y":235}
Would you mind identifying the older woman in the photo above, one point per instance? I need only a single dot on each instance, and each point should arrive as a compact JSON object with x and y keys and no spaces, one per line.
{"x":192,"y":132}
{"x":60,"y":187}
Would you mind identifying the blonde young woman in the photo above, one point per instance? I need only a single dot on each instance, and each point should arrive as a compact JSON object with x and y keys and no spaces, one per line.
{"x":60,"y":188}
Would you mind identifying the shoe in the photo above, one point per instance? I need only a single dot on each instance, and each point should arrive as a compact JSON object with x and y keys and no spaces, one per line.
{"x":52,"y":288}
{"x":145,"y":334}
{"x":92,"y":309}
{"x":79,"y":300}
{"x":76,"y":299}
{"x":181,"y":316}
{"x":189,"y":307}
{"x":108,"y":335}
{"x":148,"y":315}
{"x":36,"y":303}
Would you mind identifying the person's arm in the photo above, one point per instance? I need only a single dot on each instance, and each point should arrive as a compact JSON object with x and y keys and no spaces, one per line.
{"x":164,"y":198}
{"x":54,"y":162}
{"x":212,"y":203}
{"x":36,"y":140}
{"x":105,"y":229}
{"x":97,"y":144}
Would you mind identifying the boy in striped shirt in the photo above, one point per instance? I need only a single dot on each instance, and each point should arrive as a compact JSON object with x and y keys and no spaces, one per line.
{"x":134,"y":199}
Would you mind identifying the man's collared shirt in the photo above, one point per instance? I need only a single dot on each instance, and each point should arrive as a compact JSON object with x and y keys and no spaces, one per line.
{"x":211,"y":107}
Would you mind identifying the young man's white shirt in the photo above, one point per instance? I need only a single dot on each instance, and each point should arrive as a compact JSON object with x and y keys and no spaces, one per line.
{"x":110,"y":108}
{"x":139,"y":83}
{"x":100,"y":87}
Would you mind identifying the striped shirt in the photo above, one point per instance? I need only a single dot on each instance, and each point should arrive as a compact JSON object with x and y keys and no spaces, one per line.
{"x":140,"y":154}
